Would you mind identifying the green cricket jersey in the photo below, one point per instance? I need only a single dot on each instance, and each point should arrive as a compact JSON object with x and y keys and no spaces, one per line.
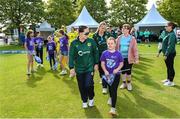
{"x":101,"y":41}
{"x":83,"y":55}
{"x":169,"y":43}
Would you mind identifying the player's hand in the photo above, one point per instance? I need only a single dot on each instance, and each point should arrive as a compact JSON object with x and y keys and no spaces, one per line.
{"x":165,"y":57}
{"x":115,"y":71}
{"x":106,"y":73}
{"x":72,"y":72}
{"x":136,"y":62}
{"x":96,"y":67}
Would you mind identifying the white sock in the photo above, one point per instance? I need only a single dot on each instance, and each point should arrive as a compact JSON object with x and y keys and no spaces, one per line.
{"x":124,"y":78}
{"x":129,"y":78}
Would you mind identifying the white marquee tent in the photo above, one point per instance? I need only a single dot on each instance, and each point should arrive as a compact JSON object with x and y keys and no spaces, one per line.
{"x":84,"y":19}
{"x":45,"y":27}
{"x":152,"y":18}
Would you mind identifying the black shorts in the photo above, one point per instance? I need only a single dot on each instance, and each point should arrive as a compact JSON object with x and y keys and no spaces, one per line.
{"x":126,"y":66}
{"x":101,"y":72}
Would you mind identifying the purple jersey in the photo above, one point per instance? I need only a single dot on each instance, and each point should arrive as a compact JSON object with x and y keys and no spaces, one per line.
{"x":39,"y":42}
{"x":63,"y":44}
{"x":112,"y":60}
{"x":51,"y":47}
{"x":30,"y":44}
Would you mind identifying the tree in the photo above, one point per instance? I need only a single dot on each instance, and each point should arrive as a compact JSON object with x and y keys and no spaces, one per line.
{"x":127,"y":11}
{"x":97,"y":8}
{"x":60,"y":12}
{"x":16,"y":12}
{"x":170,"y":10}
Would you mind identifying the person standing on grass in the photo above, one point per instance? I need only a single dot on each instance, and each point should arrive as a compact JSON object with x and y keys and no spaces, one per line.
{"x":64,"y":46}
{"x":160,"y":39}
{"x":111,"y":63}
{"x":127,"y":45}
{"x":51,"y":52}
{"x":169,"y":52}
{"x":100,"y":37}
{"x":146,"y":36}
{"x":30,"y":46}
{"x":39,"y":47}
{"x":83,"y":60}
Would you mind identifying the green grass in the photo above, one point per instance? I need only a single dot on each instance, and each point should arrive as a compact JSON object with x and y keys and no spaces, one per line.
{"x":48,"y":95}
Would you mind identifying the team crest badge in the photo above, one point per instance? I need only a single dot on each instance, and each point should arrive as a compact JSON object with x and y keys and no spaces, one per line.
{"x":89,"y":44}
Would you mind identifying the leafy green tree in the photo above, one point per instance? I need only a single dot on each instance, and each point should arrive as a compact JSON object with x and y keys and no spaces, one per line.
{"x":16,"y":12}
{"x":97,"y":8}
{"x":170,"y":10}
{"x":127,"y":11}
{"x":60,"y":12}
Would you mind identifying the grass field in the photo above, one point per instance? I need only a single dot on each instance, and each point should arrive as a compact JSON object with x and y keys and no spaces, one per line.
{"x":48,"y":95}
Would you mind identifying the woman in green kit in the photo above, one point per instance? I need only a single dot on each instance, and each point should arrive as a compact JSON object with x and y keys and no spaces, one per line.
{"x":100,"y":37}
{"x":83,"y":60}
{"x":169,"y":52}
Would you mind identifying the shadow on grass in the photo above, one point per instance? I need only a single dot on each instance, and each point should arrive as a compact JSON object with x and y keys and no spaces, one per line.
{"x":177,"y":86}
{"x":92,"y":112}
{"x":71,"y":84}
{"x":151,"y":105}
{"x":128,"y":109}
{"x":140,"y":73}
{"x":32,"y":79}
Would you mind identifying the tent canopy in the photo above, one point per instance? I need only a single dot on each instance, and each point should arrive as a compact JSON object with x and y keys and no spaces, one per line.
{"x":84,"y":19}
{"x":45,"y":27}
{"x":152,"y":18}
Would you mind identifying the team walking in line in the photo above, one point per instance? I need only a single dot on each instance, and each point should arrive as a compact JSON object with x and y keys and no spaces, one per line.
{"x":112,"y":56}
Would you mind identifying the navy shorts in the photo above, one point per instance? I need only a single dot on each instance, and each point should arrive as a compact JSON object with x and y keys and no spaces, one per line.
{"x":64,"y":53}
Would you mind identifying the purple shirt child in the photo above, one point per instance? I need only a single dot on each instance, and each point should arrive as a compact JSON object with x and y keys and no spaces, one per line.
{"x":30,"y":44}
{"x":39,"y":42}
{"x":112,"y":60}
{"x":51,"y":47}
{"x":63,"y":44}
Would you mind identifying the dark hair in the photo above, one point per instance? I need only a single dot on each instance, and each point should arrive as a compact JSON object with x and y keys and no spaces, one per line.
{"x":127,"y":26}
{"x":35,"y":35}
{"x":173,"y":25}
{"x":61,"y":31}
{"x":28,"y":33}
{"x":81,"y":28}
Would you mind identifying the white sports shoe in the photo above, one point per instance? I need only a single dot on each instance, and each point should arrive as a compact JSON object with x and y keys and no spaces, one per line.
{"x":42,"y":65}
{"x":109,"y":102}
{"x":63,"y":72}
{"x":38,"y":65}
{"x":91,"y":103}
{"x":112,"y":111}
{"x":169,"y":83}
{"x":85,"y":105}
{"x":129,"y":86}
{"x":33,"y":70}
{"x":28,"y":73}
{"x":104,"y":90}
{"x":164,"y":81}
{"x":123,"y":85}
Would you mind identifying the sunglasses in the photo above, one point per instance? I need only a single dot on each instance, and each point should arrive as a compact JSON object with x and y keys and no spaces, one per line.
{"x":87,"y":33}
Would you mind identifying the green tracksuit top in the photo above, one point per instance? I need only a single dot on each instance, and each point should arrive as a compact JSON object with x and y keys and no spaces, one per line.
{"x":169,"y":43}
{"x":101,"y":41}
{"x":83,"y":55}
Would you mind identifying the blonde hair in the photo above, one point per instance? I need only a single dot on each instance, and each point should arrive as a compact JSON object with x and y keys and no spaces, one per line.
{"x":112,"y":38}
{"x":101,"y":23}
